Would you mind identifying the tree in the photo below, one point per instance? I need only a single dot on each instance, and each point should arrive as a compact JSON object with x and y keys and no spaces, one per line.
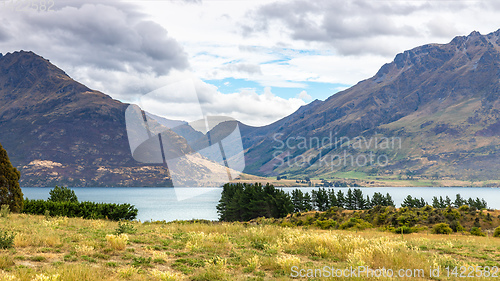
{"x":10,"y":191}
{"x":388,"y":200}
{"x":298,"y":200}
{"x":243,"y":202}
{"x":359,"y":201}
{"x":340,"y":199}
{"x":307,"y":202}
{"x":62,"y":194}
{"x":350,"y":202}
{"x":459,"y":201}
{"x":320,"y":199}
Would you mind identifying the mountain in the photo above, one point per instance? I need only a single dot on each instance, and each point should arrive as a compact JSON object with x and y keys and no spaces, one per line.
{"x":435,"y":108}
{"x":58,"y":131}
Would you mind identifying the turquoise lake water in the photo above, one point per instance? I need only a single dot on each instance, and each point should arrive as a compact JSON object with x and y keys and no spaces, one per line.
{"x":200,"y":203}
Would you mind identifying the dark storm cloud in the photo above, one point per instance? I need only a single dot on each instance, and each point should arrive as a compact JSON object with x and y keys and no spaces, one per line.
{"x":107,"y":35}
{"x":346,"y":25}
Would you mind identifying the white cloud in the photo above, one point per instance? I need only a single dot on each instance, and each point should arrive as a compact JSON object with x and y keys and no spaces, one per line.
{"x":247,"y":106}
{"x":304,"y":96}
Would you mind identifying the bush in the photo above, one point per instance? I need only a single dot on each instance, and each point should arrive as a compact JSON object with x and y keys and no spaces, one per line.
{"x":6,"y":240}
{"x":355,"y":223}
{"x":86,"y":210}
{"x":403,"y":230}
{"x":4,"y":211}
{"x":325,"y":224}
{"x":62,"y":194}
{"x":497,"y":232}
{"x":476,"y":231}
{"x":456,"y":226}
{"x":125,"y":227}
{"x":117,"y":242}
{"x":441,"y":228}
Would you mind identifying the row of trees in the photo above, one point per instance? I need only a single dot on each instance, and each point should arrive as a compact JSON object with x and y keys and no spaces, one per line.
{"x":323,"y":199}
{"x":459,"y":201}
{"x":243,"y":202}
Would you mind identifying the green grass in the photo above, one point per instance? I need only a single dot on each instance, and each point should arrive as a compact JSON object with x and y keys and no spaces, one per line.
{"x":77,"y":250}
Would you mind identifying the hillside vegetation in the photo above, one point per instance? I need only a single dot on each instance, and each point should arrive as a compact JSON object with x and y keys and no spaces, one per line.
{"x":45,"y":248}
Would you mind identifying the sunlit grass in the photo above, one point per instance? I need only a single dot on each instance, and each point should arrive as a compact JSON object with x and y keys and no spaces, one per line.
{"x":77,"y":249}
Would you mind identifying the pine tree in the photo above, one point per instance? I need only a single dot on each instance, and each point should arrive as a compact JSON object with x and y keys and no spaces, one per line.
{"x":10,"y":192}
{"x":341,"y":199}
{"x":388,"y":200}
{"x":307,"y":202}
{"x":332,"y":198}
{"x":298,"y":200}
{"x":350,"y":204}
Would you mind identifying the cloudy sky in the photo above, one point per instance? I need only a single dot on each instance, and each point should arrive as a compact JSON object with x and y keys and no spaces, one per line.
{"x":256,"y":61}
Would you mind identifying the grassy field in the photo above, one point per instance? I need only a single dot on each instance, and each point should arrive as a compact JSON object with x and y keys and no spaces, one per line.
{"x":77,"y":249}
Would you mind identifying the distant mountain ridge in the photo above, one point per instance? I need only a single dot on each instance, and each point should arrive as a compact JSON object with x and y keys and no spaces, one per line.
{"x":442,"y":100}
{"x":58,"y":131}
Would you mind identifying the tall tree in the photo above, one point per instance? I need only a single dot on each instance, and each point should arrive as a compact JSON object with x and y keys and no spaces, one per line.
{"x":10,"y":191}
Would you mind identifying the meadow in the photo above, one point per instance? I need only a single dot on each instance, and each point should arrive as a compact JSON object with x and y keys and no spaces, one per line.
{"x":60,"y":248}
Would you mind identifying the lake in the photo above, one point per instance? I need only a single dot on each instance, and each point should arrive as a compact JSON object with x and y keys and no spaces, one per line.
{"x":200,"y":203}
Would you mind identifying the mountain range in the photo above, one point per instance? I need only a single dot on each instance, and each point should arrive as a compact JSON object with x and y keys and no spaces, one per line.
{"x":58,"y":131}
{"x":432,"y":113}
{"x":438,"y":102}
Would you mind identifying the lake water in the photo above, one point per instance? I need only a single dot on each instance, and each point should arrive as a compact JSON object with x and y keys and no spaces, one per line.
{"x":200,"y":203}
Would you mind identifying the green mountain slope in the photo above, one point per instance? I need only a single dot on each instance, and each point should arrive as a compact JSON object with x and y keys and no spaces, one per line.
{"x":431,"y":113}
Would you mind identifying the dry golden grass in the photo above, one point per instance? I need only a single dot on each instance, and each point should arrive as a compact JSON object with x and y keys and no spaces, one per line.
{"x":77,"y":249}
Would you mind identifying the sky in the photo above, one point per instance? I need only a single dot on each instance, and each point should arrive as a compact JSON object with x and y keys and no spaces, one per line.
{"x":255,"y":61}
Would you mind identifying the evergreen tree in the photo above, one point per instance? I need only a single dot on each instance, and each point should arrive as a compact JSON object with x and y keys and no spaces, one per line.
{"x":388,"y":200}
{"x":333,"y":202}
{"x":350,"y":205}
{"x":378,"y":199}
{"x":320,"y":199}
{"x":447,"y":201}
{"x":368,"y":203}
{"x":442,"y":203}
{"x":307,"y":202}
{"x":435,"y":202}
{"x":62,"y":194}
{"x":408,"y":202}
{"x":341,"y":199}
{"x":10,"y":192}
{"x":298,"y":200}
{"x":359,"y":201}
{"x":459,"y":201}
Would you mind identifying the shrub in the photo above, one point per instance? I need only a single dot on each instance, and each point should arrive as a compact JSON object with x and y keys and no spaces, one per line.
{"x":86,"y":210}
{"x":117,"y":242}
{"x":355,"y":223}
{"x":456,"y":226}
{"x":477,"y":231}
{"x":497,"y":232}
{"x":441,"y":228}
{"x":62,"y":194}
{"x":403,"y":230}
{"x":325,"y":224}
{"x":4,"y":211}
{"x":6,"y":240}
{"x":125,"y":227}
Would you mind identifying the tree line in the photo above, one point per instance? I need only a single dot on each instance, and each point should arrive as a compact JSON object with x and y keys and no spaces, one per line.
{"x":243,"y":202}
